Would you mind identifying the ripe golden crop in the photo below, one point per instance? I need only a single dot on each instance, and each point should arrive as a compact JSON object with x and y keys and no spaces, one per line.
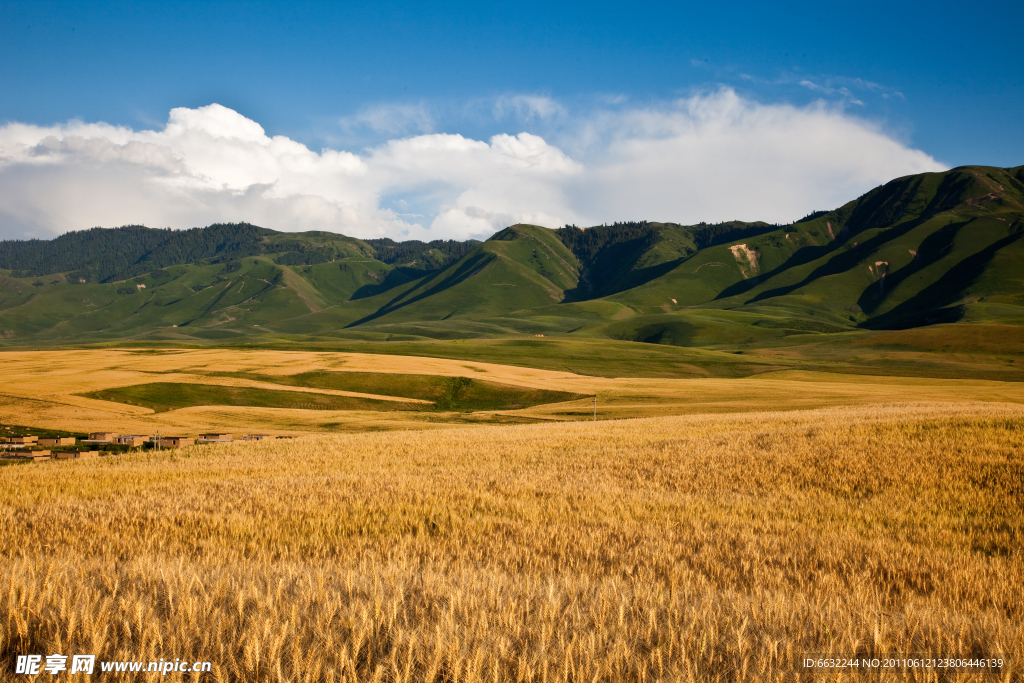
{"x":670,"y":548}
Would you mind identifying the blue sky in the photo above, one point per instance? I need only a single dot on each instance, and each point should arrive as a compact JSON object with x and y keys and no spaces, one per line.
{"x":941,"y":79}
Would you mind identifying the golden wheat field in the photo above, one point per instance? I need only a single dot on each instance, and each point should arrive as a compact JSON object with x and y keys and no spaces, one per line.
{"x":695,"y":547}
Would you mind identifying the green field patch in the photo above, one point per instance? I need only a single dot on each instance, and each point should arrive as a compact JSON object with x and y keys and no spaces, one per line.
{"x":801,"y":325}
{"x":446,"y":393}
{"x":7,"y":430}
{"x":163,"y":396}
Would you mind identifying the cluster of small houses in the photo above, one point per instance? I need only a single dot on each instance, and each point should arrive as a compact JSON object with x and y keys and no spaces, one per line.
{"x":67,"y":447}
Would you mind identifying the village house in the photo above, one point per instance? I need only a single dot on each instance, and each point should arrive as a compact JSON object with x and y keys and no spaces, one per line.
{"x":71,"y":455}
{"x":256,"y":437}
{"x":26,"y":455}
{"x":133,"y":440}
{"x":215,"y":437}
{"x":173,"y":441}
{"x":23,"y":440}
{"x":100,"y":437}
{"x":57,"y":441}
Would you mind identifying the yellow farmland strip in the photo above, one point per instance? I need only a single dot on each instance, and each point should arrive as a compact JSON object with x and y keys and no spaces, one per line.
{"x":38,"y":388}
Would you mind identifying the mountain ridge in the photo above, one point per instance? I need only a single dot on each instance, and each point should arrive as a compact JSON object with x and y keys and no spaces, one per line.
{"x":922,"y":249}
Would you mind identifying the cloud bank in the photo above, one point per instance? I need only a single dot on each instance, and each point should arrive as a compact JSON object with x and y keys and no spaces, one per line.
{"x":711,"y":157}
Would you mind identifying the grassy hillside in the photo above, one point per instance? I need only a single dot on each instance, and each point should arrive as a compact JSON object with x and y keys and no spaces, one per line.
{"x":521,"y":267}
{"x":915,"y":251}
{"x":922,"y":250}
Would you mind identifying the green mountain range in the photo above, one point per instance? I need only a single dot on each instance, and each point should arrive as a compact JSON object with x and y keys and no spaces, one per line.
{"x":917,"y":251}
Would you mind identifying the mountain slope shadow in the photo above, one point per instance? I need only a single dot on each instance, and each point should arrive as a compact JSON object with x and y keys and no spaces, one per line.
{"x":469,"y":267}
{"x":934,"y":247}
{"x":843,"y":261}
{"x":927,"y":306}
{"x":802,"y":256}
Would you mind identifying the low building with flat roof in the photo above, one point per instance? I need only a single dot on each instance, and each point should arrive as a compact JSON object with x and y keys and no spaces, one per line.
{"x":57,"y":441}
{"x":23,"y":439}
{"x":256,"y":437}
{"x":174,"y":441}
{"x":101,"y":437}
{"x":215,"y":437}
{"x":26,"y":455}
{"x":133,"y":440}
{"x":72,"y":455}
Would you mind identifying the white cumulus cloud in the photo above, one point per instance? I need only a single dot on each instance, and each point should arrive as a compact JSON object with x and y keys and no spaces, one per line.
{"x":711,"y":157}
{"x":719,"y":157}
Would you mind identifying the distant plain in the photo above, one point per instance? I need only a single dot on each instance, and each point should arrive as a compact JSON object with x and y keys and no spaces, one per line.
{"x":142,"y":391}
